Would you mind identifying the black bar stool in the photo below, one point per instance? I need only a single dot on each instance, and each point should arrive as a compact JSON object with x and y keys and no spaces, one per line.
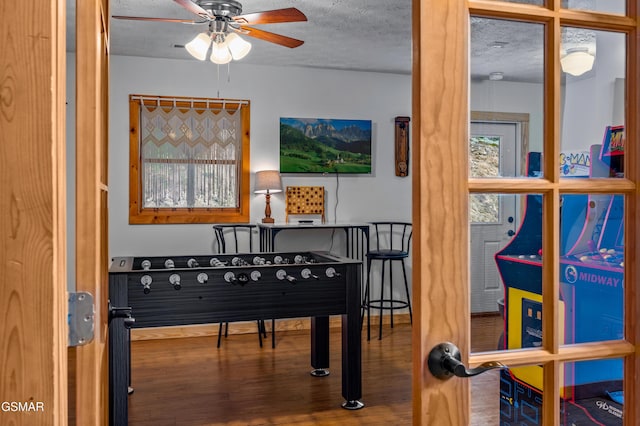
{"x":393,"y":240}
{"x":241,"y":233}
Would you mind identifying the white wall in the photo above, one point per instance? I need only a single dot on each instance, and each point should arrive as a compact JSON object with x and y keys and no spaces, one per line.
{"x":274,"y":92}
{"x":590,"y":102}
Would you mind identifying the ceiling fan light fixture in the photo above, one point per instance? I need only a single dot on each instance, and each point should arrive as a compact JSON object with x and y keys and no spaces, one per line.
{"x":220,"y":53}
{"x":577,"y":61}
{"x":199,"y":46}
{"x":224,"y":17}
{"x":238,"y":46}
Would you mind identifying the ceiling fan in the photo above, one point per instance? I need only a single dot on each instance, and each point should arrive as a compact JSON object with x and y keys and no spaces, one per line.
{"x":226,"y":21}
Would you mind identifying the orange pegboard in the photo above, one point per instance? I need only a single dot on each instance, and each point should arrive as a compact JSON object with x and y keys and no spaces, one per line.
{"x":305,"y":200}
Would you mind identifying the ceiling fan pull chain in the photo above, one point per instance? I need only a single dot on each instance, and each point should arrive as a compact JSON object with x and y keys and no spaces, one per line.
{"x":218,"y":71}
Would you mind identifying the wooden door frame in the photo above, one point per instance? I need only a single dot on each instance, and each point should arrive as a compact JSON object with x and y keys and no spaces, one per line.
{"x":33,"y":298}
{"x":440,"y":125}
{"x":92,"y":67}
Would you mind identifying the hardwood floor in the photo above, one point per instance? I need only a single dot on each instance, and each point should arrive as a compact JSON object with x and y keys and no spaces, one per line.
{"x":189,"y":382}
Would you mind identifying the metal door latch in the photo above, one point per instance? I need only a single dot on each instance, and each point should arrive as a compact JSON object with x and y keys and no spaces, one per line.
{"x":80,"y":318}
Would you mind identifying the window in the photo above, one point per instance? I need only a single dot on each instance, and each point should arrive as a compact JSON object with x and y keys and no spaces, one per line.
{"x":189,"y":160}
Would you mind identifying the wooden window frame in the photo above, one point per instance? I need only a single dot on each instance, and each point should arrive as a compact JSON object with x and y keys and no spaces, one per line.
{"x":140,"y":215}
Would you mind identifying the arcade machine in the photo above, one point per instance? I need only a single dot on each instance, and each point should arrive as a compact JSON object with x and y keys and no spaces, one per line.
{"x":591,"y":269}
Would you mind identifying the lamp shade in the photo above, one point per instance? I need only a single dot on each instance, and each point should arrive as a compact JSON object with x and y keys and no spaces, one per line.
{"x":220,"y":53}
{"x":268,"y":181}
{"x":199,"y":46}
{"x":238,"y":46}
{"x":577,"y":61}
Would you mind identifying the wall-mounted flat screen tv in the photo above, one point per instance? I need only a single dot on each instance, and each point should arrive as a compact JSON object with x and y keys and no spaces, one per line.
{"x":315,"y":145}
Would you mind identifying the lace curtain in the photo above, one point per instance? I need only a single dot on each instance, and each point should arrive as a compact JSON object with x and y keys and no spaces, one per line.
{"x":190,"y":157}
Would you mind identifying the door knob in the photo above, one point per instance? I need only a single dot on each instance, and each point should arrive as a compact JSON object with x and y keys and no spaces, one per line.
{"x":444,"y":362}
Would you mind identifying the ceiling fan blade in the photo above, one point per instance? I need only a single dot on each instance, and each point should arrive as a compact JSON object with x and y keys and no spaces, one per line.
{"x":194,"y":8}
{"x":271,"y":37}
{"x":141,"y":18}
{"x":290,"y":14}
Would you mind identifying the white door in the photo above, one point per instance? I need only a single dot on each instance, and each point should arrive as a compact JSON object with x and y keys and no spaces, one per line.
{"x":493,"y":149}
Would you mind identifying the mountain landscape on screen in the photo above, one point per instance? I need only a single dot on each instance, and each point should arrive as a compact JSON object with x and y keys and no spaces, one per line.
{"x":313,"y":145}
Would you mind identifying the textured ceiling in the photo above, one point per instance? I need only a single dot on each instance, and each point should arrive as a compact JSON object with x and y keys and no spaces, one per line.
{"x":360,"y":35}
{"x":371,"y":35}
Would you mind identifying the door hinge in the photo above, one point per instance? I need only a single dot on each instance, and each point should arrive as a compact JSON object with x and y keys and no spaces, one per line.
{"x":81,"y":318}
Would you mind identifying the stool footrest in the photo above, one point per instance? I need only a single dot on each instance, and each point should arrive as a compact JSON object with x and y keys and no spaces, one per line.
{"x":380,"y":304}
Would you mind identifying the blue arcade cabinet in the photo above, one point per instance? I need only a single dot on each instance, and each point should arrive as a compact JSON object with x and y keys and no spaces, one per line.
{"x":591,"y":287}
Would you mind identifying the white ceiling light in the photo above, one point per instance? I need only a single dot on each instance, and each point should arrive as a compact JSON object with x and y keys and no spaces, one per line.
{"x":199,"y":46}
{"x":577,"y":61}
{"x":238,"y":46}
{"x":220,"y":53}
{"x":224,"y":47}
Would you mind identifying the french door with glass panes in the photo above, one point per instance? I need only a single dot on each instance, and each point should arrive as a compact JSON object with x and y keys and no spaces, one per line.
{"x":567,"y":342}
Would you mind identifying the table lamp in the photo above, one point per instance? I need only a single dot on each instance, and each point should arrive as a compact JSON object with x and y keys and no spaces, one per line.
{"x":268,"y":182}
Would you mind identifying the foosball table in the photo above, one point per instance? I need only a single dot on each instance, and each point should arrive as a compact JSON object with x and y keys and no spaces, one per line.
{"x":182,"y":290}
